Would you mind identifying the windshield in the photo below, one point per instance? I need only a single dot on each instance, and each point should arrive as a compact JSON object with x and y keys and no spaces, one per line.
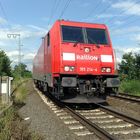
{"x":84,"y":35}
{"x":96,"y":36}
{"x":72,"y":34}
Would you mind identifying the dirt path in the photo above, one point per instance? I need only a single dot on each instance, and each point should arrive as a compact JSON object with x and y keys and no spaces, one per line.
{"x":42,"y":120}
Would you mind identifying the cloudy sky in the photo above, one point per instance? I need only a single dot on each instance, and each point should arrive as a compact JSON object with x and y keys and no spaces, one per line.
{"x":33,"y":18}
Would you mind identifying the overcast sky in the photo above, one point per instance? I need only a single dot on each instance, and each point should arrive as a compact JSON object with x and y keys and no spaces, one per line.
{"x":33,"y":18}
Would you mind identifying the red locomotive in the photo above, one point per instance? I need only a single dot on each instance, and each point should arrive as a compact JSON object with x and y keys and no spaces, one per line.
{"x":76,"y":62}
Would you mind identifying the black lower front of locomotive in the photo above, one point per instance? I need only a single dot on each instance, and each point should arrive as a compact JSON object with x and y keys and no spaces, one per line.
{"x":85,"y":89}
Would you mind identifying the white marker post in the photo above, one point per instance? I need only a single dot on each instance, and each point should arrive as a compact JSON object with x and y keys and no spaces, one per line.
{"x":5,"y":89}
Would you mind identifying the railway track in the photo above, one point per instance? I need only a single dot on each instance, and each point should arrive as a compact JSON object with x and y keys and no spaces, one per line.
{"x":108,"y":124}
{"x":101,"y":123}
{"x":128,"y":97}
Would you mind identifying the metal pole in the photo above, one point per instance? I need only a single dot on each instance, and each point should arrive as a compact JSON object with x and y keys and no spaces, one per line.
{"x":19,"y":46}
{"x":19,"y":50}
{"x":19,"y":56}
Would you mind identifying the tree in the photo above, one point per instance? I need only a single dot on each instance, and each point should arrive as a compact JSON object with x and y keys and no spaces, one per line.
{"x":21,"y":71}
{"x":138,"y":65}
{"x":5,"y":68}
{"x":130,"y":66}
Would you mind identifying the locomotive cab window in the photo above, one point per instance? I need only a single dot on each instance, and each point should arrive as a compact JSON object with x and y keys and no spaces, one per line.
{"x":48,"y":39}
{"x":72,"y":34}
{"x":96,"y":36}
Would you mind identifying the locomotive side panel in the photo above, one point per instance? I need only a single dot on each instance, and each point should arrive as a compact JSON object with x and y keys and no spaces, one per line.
{"x":51,"y":58}
{"x":38,"y":64}
{"x":56,"y":49}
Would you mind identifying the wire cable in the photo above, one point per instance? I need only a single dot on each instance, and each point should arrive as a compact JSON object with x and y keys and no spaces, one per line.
{"x":134,"y":4}
{"x":94,"y":9}
{"x":5,"y":15}
{"x":105,"y":9}
{"x":123,"y":27}
{"x":52,"y":11}
{"x":64,"y":9}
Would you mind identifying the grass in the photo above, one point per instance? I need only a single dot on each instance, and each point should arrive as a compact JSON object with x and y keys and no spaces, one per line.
{"x":131,"y":87}
{"x":5,"y":124}
{"x":16,"y":82}
{"x":21,"y":93}
{"x":12,"y":125}
{"x":2,"y":106}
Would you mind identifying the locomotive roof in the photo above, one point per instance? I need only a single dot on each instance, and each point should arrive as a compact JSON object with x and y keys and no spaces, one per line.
{"x":80,"y":24}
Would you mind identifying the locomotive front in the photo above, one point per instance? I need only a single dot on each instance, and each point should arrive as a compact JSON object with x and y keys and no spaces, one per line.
{"x":87,"y":63}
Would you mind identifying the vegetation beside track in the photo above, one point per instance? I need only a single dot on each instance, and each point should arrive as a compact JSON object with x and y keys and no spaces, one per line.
{"x":129,"y":71}
{"x":21,"y":92}
{"x":2,"y":106}
{"x":131,"y":87}
{"x":12,"y":125}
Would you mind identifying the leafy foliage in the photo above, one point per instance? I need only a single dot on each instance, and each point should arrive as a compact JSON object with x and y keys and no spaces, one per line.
{"x":130,"y":73}
{"x":5,"y":68}
{"x":130,"y":66}
{"x":21,"y":71}
{"x":138,"y":65}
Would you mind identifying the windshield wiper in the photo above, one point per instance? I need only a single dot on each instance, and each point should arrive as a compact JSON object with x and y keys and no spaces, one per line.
{"x":75,"y":44}
{"x":77,"y":41}
{"x":93,"y":42}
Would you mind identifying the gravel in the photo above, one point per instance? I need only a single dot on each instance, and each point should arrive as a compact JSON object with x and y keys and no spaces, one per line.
{"x":41,"y":119}
{"x":132,"y":109}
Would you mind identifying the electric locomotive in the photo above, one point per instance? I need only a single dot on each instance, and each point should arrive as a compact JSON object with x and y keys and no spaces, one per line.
{"x":76,"y":62}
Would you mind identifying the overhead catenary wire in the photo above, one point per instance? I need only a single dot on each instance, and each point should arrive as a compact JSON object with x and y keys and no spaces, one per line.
{"x":128,"y":23}
{"x":94,"y":9}
{"x":4,"y":14}
{"x":134,"y":4}
{"x":105,"y":9}
{"x":124,"y":33}
{"x":53,"y":9}
{"x":64,"y":9}
{"x":127,"y":18}
{"x":122,"y":26}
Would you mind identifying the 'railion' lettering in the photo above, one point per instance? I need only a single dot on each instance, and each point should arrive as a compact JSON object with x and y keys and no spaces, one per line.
{"x":86,"y":57}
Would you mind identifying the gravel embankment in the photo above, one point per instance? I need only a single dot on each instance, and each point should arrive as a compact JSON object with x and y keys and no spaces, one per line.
{"x":132,"y":109}
{"x":42,"y":119}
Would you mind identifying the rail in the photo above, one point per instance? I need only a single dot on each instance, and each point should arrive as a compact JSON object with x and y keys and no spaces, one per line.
{"x":120,"y":115}
{"x":100,"y":131}
{"x":94,"y":119}
{"x":128,"y":97}
{"x":90,"y":125}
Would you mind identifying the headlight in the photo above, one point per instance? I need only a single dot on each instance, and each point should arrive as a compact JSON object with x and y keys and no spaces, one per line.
{"x":103,"y":69}
{"x":69,"y":68}
{"x":87,"y":50}
{"x":66,"y":68}
{"x":106,"y":70}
